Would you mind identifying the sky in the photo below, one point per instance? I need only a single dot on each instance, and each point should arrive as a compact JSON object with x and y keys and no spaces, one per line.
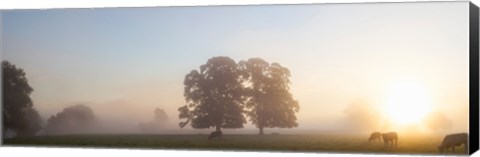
{"x":125,"y":62}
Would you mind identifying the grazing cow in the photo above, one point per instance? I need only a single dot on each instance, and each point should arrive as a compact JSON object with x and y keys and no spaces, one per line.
{"x":453,"y":140}
{"x":215,"y":134}
{"x":389,"y":138}
{"x":375,"y":136}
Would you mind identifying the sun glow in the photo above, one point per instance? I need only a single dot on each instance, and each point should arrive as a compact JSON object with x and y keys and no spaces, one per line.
{"x":407,"y":103}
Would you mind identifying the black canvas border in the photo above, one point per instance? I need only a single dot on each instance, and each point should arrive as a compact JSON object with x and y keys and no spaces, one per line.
{"x":474,"y":79}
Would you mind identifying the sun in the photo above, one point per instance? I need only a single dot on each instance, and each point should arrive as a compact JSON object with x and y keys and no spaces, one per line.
{"x":407,"y":102}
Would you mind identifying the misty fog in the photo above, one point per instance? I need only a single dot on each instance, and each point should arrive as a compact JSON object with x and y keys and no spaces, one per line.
{"x":125,"y":117}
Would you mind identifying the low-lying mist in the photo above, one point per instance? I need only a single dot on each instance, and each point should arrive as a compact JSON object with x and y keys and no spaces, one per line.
{"x":128,"y":117}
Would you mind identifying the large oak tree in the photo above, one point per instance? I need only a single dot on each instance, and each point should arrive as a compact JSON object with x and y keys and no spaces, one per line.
{"x":214,"y":96}
{"x":269,"y":104}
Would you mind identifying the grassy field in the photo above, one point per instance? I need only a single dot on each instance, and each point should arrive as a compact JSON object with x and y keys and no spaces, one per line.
{"x":291,"y":143}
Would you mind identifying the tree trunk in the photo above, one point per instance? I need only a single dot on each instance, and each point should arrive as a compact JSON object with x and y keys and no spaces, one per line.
{"x":261,"y":130}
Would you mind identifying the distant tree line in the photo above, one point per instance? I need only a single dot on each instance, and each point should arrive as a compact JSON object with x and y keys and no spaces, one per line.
{"x":223,"y":93}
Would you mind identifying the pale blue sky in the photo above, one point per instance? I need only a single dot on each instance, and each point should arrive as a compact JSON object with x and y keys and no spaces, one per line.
{"x":337,"y":53}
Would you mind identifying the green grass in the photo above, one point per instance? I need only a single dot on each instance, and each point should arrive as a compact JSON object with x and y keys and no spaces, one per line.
{"x":302,"y":143}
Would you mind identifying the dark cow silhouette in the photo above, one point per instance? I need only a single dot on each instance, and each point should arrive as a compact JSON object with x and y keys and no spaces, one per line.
{"x":375,"y":136}
{"x":215,"y":134}
{"x":390,"y":138}
{"x":452,"y":141}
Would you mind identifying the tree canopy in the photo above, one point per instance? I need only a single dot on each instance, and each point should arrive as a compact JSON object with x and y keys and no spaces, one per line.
{"x":223,"y":92}
{"x":160,"y":119}
{"x":269,"y":104}
{"x":18,"y":113}
{"x":360,"y":115}
{"x":74,"y":119}
{"x":214,"y":96}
